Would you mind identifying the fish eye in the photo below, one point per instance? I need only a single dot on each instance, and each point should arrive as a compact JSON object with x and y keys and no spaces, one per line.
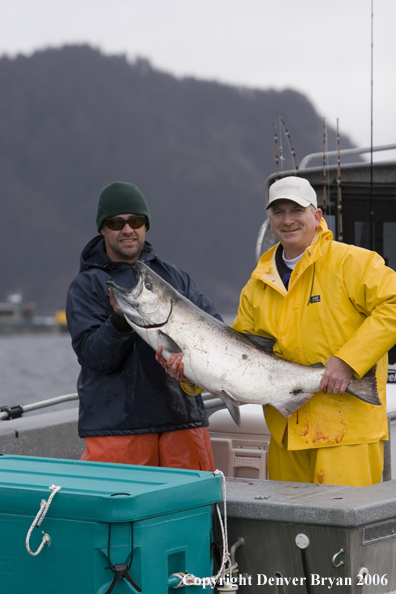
{"x":148,"y":286}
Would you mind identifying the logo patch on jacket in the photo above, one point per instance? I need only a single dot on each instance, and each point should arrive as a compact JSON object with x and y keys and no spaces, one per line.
{"x":314,"y":299}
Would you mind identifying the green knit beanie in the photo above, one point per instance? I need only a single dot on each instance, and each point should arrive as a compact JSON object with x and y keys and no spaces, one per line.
{"x":121,"y":198}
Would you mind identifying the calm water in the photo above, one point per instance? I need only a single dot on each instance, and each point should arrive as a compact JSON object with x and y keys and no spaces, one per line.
{"x":36,"y":367}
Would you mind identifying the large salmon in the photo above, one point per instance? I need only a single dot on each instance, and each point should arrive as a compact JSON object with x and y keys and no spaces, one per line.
{"x":230,"y":365}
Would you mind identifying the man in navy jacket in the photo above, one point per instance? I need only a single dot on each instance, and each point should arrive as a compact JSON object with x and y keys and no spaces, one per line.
{"x":131,"y":411}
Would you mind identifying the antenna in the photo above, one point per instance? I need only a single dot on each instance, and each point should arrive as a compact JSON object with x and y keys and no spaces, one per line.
{"x":324,"y":168}
{"x":371,"y":225}
{"x":339,"y":203}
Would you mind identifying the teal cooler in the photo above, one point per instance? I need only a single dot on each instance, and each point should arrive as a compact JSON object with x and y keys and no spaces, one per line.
{"x":110,"y":524}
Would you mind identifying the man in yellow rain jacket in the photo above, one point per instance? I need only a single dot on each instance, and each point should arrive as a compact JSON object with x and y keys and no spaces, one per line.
{"x":322,"y":301}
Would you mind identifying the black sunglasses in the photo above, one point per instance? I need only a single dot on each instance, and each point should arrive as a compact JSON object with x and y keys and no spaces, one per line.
{"x":134,"y":221}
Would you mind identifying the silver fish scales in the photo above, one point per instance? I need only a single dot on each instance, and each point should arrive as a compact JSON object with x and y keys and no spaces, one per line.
{"x":238,"y":368}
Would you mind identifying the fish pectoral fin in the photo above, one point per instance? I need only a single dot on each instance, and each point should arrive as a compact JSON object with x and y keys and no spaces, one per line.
{"x":232,"y":404}
{"x":168,"y":343}
{"x":265,"y":344}
{"x":317,"y":365}
{"x":287,"y":407}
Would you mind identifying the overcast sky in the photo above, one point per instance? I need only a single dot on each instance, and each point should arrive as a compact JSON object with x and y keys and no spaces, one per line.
{"x":319,"y":47}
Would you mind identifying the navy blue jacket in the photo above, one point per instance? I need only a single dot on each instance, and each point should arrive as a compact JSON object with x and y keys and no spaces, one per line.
{"x":122,"y":388}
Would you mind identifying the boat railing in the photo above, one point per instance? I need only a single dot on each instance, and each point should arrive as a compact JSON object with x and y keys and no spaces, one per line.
{"x":387,"y":472}
{"x":212,"y":404}
{"x":7,"y":413}
{"x":345,"y":152}
{"x":14,"y":412}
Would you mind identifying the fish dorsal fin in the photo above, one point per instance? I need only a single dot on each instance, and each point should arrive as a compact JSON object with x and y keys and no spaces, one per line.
{"x":265,"y":344}
{"x":168,"y":343}
{"x":232,"y":405}
{"x":287,"y":407}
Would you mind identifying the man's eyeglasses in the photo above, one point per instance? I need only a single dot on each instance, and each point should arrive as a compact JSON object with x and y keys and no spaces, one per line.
{"x":134,"y":221}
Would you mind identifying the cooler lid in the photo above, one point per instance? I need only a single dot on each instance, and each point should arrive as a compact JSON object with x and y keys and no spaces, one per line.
{"x":102,"y":492}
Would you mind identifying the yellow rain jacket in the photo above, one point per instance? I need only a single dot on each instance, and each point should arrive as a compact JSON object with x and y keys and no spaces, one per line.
{"x":341,"y":301}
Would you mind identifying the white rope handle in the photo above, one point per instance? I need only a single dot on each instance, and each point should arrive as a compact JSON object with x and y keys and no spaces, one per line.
{"x":188,"y":579}
{"x":44,"y":507}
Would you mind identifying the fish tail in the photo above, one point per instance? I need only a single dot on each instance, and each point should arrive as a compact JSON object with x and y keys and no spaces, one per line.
{"x":365,"y":388}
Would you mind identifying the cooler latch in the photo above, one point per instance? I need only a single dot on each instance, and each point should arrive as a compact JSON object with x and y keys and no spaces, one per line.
{"x":121,"y":571}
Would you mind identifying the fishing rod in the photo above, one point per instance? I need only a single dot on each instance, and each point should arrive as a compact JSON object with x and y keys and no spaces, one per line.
{"x":276,"y":150}
{"x":281,"y":157}
{"x":293,"y":152}
{"x":339,"y":202}
{"x":324,"y":168}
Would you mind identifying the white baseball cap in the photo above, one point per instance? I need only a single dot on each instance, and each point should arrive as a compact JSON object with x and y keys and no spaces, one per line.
{"x":293,"y":188}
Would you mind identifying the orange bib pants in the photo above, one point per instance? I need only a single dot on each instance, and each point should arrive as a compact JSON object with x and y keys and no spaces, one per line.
{"x":186,"y":448}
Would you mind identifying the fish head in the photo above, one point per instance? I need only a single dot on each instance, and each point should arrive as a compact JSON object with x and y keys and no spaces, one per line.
{"x":149,"y":303}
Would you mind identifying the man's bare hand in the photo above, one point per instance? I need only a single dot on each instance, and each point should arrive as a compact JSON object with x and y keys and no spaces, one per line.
{"x":174,"y":366}
{"x":337,"y":376}
{"x":114,"y":304}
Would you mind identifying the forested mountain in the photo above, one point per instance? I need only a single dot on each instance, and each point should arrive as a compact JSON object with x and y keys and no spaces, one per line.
{"x":73,"y":120}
